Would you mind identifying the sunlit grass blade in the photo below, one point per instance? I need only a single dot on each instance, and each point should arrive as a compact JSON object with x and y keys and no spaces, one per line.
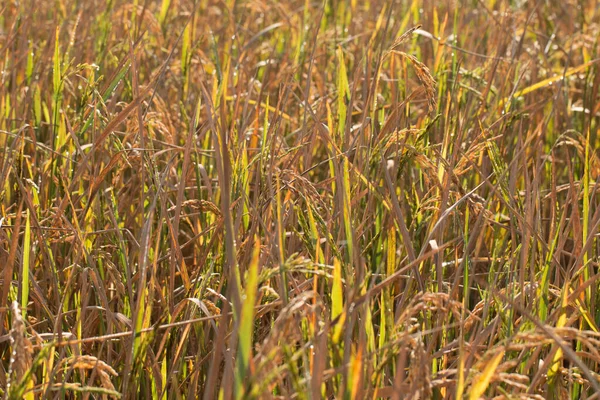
{"x":343,"y":93}
{"x":164,"y":10}
{"x":562,"y":319}
{"x":244,"y":355}
{"x":549,"y":81}
{"x":482,"y":381}
{"x":337,"y":301}
{"x":26,"y":265}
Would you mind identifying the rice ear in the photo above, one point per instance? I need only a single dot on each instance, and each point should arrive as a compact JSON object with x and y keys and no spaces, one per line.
{"x":102,"y":369}
{"x":21,"y":355}
{"x":402,"y":38}
{"x":424,"y":76}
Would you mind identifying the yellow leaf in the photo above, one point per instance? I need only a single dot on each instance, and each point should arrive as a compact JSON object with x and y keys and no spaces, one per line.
{"x":551,"y":80}
{"x":481,"y":382}
{"x":562,"y":320}
{"x":357,"y":369}
{"x":337,"y":300}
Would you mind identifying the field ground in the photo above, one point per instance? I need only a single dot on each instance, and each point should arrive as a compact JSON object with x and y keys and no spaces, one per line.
{"x":299,"y":199}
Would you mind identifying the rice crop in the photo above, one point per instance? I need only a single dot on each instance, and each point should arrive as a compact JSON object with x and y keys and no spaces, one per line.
{"x":255,"y":199}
